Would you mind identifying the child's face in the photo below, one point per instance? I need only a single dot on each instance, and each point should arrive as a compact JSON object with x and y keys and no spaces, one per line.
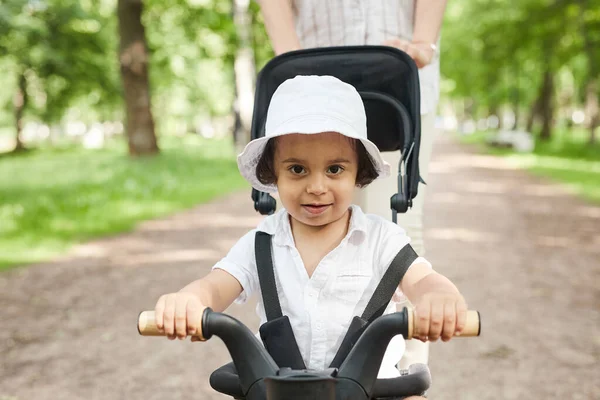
{"x":316,"y":176}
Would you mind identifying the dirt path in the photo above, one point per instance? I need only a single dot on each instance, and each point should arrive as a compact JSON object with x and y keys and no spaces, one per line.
{"x":524,"y":253}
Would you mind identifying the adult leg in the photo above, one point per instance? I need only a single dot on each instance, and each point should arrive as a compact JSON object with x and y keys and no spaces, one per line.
{"x":375,"y":199}
{"x":417,"y":351}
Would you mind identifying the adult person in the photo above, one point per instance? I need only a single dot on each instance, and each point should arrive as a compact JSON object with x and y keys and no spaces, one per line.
{"x":410,"y":25}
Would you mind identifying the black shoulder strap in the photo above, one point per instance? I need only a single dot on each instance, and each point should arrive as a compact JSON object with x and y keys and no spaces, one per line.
{"x":266,"y":276}
{"x":388,"y":284}
{"x":277,"y":333}
{"x":378,"y":302}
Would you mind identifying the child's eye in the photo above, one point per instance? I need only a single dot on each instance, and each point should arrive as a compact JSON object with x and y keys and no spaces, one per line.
{"x":335,"y":169}
{"x":296,"y":169}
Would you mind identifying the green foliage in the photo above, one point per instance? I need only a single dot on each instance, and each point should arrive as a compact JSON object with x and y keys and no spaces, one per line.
{"x":67,"y":196}
{"x":193,"y":44}
{"x":66,"y":52}
{"x":496,"y":51}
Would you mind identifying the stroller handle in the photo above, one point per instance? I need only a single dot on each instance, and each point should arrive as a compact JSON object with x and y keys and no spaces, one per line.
{"x":147,"y":325}
{"x":254,"y":364}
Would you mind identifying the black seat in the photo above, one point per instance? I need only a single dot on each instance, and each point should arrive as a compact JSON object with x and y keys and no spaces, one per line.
{"x":388,"y":82}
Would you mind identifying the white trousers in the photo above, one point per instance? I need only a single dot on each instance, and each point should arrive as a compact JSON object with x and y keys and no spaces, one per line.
{"x":375,"y":199}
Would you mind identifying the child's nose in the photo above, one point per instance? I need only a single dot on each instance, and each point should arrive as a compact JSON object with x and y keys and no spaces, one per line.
{"x":317,"y":185}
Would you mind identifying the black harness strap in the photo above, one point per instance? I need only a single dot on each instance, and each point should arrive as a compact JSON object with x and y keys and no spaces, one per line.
{"x":388,"y":284}
{"x":378,"y":302}
{"x":276,"y":334}
{"x":266,"y":276}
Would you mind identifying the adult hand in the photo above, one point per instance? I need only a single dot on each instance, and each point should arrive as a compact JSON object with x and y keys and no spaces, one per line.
{"x":422,"y":53}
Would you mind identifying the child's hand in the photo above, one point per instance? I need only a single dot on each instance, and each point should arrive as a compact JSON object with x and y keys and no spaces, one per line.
{"x":179,"y":314}
{"x":440,"y":314}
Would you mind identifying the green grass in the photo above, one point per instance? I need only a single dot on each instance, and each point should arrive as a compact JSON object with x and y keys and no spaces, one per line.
{"x":568,"y":159}
{"x":51,"y":199}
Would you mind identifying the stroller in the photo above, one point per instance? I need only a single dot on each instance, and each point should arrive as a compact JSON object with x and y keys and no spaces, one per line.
{"x":387,"y":80}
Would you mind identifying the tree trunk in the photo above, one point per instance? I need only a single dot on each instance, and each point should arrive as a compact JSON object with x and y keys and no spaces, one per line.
{"x":517,"y":113}
{"x":133,"y":58}
{"x":592,"y":109}
{"x":534,"y":112}
{"x":20,"y":101}
{"x":546,"y":105}
{"x":515,"y":96}
{"x":244,"y":73}
{"x":494,"y":109}
{"x":238,"y":130}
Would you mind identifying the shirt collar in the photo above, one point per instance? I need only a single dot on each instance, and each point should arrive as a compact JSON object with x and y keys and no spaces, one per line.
{"x":278,"y":226}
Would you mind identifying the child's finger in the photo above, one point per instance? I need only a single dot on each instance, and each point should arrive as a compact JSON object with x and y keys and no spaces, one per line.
{"x":181,"y":318}
{"x":423,"y":313}
{"x":159,"y":309}
{"x":449,"y":321}
{"x":169,"y":315}
{"x":194,"y":317}
{"x":461,"y":316}
{"x":437,"y":321}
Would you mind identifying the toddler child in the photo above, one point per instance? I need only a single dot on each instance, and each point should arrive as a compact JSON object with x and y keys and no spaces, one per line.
{"x":328,"y":256}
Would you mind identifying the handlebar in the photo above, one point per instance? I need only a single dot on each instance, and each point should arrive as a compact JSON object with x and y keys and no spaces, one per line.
{"x":147,"y":325}
{"x":254,"y":363}
{"x":250,"y":357}
{"x":362,"y":363}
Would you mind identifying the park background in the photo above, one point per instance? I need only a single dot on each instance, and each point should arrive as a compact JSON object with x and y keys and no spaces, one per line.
{"x":117,"y":112}
{"x":65,"y":174}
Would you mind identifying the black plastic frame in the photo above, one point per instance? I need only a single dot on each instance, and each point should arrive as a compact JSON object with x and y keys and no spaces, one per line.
{"x":387,"y":79}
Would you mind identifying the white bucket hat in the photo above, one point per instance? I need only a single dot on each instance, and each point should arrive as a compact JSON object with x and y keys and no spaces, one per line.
{"x":311,"y":105}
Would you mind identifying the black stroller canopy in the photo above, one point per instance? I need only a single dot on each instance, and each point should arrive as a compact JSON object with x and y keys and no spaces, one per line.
{"x":388,"y":82}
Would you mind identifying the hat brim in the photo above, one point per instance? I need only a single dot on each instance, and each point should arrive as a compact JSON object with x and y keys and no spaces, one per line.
{"x":249,"y":158}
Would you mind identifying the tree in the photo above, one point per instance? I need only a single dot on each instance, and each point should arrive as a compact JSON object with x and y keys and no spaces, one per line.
{"x":38,"y":40}
{"x":590,"y":30}
{"x":511,"y":52}
{"x":192,"y":46}
{"x":134,"y":60}
{"x":244,"y":72}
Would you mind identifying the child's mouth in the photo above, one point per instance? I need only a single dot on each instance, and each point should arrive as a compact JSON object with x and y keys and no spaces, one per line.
{"x":316,"y":208}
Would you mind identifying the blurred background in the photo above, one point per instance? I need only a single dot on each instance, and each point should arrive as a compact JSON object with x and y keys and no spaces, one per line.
{"x":520,"y":76}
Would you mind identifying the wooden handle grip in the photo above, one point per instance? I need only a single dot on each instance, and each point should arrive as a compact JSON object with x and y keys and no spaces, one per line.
{"x":472,"y":326}
{"x":147,"y":326}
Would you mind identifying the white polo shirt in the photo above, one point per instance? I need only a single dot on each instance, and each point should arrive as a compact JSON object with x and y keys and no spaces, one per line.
{"x":321,"y":307}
